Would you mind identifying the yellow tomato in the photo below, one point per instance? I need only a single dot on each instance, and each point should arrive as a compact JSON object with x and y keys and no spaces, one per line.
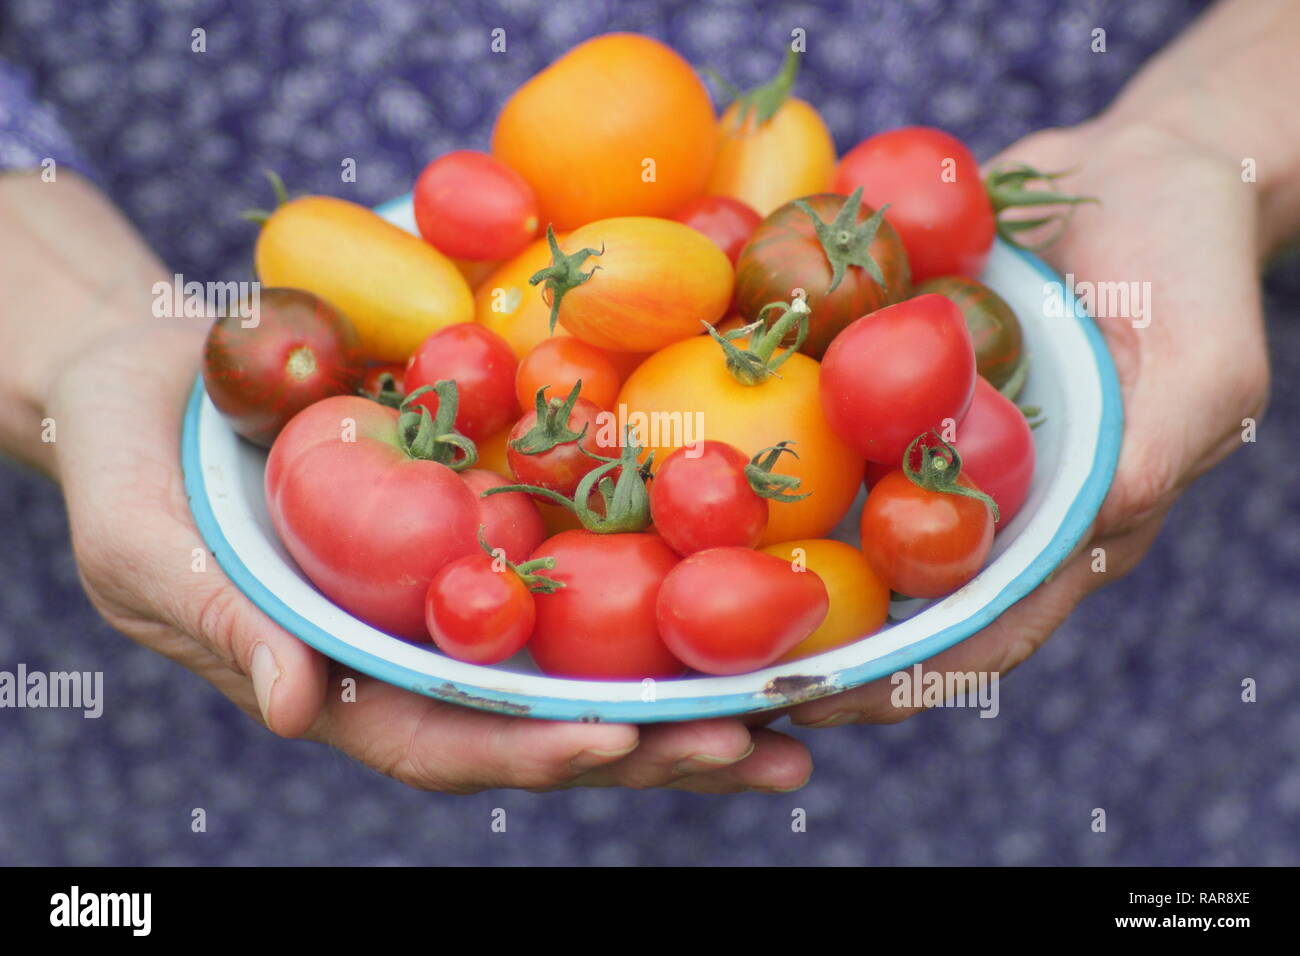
{"x":475,"y":270}
{"x":859,"y":599}
{"x":394,"y":287}
{"x":512,"y":308}
{"x":655,"y":282}
{"x":687,"y":394}
{"x":618,"y":126}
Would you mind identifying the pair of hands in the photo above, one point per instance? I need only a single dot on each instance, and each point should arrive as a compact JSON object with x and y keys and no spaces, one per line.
{"x":1171,"y":214}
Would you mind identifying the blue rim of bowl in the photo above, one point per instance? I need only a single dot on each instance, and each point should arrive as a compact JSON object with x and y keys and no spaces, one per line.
{"x":1077,"y":520}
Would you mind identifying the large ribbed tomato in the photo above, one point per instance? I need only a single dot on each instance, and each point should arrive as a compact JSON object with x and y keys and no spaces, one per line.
{"x":618,"y":126}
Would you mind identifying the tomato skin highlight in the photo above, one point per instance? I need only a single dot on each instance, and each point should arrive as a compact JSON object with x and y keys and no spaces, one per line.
{"x":483,"y":367}
{"x":477,"y":614}
{"x":859,"y":599}
{"x":301,"y":350}
{"x":601,"y":625}
{"x":896,"y":373}
{"x":734,"y":610}
{"x":700,"y":498}
{"x":785,"y":254}
{"x":470,"y":205}
{"x":369,"y":526}
{"x":937,"y":200}
{"x":561,"y":363}
{"x":728,"y":222}
{"x":924,"y":544}
{"x":601,"y":110}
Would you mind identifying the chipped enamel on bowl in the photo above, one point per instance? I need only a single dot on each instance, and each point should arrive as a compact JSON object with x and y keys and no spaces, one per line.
{"x":1073,"y":381}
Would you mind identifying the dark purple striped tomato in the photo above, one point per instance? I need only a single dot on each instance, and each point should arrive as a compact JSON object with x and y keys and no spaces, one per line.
{"x":994,"y":328}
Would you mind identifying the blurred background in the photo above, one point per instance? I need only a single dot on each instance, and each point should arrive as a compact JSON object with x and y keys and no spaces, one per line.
{"x":1134,"y":706}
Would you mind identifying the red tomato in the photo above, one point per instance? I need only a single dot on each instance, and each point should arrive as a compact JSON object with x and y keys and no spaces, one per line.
{"x":300,"y":351}
{"x":483,"y":367}
{"x":562,"y":362}
{"x":372,"y":383}
{"x":369,"y":525}
{"x":733,"y":610}
{"x":561,"y":465}
{"x":896,"y":373}
{"x":701,"y":498}
{"x":510,"y":520}
{"x":601,"y":624}
{"x":937,"y":200}
{"x":477,"y":613}
{"x":924,"y":543}
{"x":728,"y":222}
{"x":470,"y":205}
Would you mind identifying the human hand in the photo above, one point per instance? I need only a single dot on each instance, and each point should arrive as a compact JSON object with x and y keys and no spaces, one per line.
{"x":1179,"y":217}
{"x":117,"y":411}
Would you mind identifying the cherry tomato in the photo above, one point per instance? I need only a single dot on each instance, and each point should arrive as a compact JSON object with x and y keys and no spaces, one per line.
{"x":510,"y":520}
{"x":994,"y":328}
{"x":562,"y":466}
{"x":701,"y":498}
{"x":785,"y":254}
{"x":728,"y":222}
{"x":923,"y":543}
{"x":937,"y":200}
{"x":473,"y":206}
{"x":483,"y":367}
{"x":859,"y":599}
{"x":733,"y":610}
{"x":561,"y":363}
{"x":368,"y":524}
{"x":300,"y":351}
{"x":601,"y":624}
{"x":477,"y":613}
{"x":372,"y":383}
{"x":896,"y":373}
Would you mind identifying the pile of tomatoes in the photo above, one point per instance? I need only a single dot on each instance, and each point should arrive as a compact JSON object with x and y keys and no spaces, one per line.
{"x":612,"y":400}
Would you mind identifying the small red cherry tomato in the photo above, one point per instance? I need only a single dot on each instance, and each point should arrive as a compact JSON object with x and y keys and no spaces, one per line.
{"x":896,"y":373}
{"x":727,"y":221}
{"x":701,"y":498}
{"x":601,"y":624}
{"x":548,"y":455}
{"x":481,"y":364}
{"x":478,"y":612}
{"x":561,"y":362}
{"x":996,"y":446}
{"x":510,"y":520}
{"x":733,"y":610}
{"x":470,"y":205}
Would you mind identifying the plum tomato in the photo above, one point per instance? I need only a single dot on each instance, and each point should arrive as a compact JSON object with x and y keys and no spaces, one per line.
{"x":727,"y":221}
{"x":937,"y":199}
{"x":562,"y":362}
{"x":927,"y":531}
{"x":300,"y":350}
{"x":896,"y":373}
{"x":601,"y":624}
{"x":483,"y":367}
{"x":470,"y":205}
{"x":733,"y":610}
{"x":994,"y":328}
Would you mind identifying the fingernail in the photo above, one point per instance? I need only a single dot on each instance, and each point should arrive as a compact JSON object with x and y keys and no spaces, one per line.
{"x":702,"y":763}
{"x":591,"y":759}
{"x":265,"y":673}
{"x":834,"y":720}
{"x":779,"y":789}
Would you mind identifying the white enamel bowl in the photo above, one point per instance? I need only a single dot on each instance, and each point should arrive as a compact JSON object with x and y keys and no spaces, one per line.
{"x":1073,"y":381}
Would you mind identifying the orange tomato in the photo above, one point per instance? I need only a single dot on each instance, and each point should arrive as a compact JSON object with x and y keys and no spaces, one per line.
{"x":859,"y":598}
{"x":654,"y":283}
{"x":768,"y":162}
{"x":618,"y":126}
{"x":492,"y":453}
{"x":512,"y":308}
{"x":394,"y":287}
{"x":561,"y":362}
{"x":687,"y":394}
{"x":475,"y":271}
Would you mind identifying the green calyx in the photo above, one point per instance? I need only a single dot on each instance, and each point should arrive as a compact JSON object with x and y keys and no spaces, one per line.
{"x":763,"y":101}
{"x":768,"y":485}
{"x":281,"y":197}
{"x":527,"y":571}
{"x":552,"y":426}
{"x":434,"y":438}
{"x":939,"y":471}
{"x":387,"y":393}
{"x":563,"y":274}
{"x":755,"y":364}
{"x":625,"y":501}
{"x":847,"y":242}
{"x":1008,"y":188}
